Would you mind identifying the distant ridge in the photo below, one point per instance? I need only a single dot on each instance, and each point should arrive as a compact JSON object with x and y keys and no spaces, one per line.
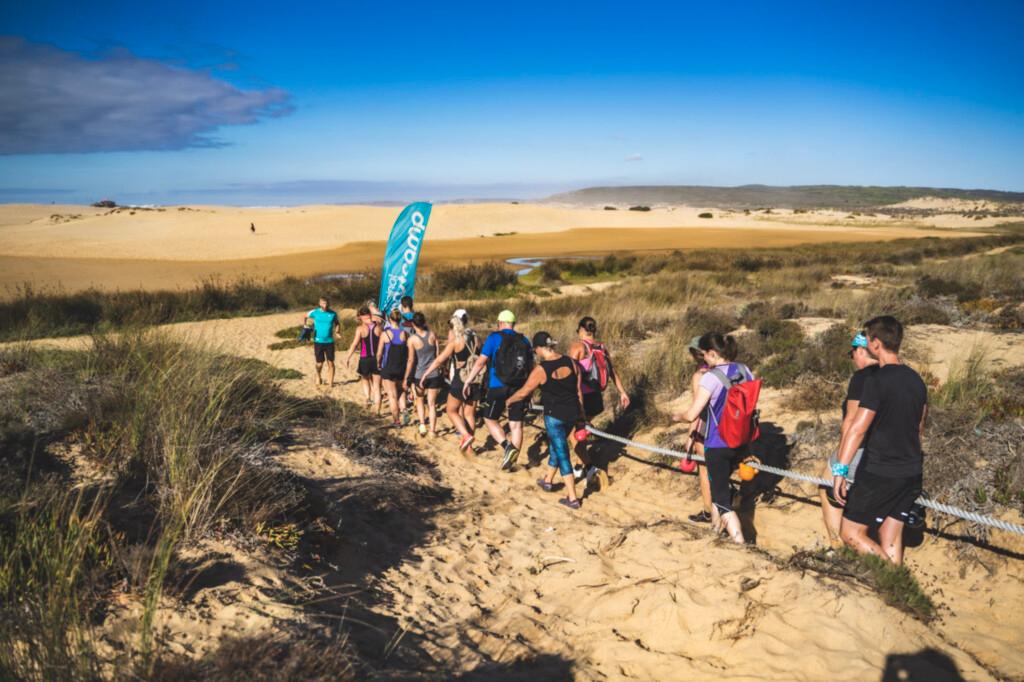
{"x":757,"y":196}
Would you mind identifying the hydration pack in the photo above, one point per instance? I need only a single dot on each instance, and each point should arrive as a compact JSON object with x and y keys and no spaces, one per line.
{"x":473,"y":345}
{"x":738,"y":424}
{"x":597,"y":376}
{"x":514,"y":359}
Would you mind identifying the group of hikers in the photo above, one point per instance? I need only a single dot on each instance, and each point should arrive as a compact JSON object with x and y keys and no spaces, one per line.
{"x":876,"y":471}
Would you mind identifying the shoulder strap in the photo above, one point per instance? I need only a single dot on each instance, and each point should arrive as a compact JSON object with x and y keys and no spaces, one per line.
{"x":721,"y":376}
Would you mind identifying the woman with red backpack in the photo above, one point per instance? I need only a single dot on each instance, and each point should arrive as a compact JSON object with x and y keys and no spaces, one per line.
{"x":727,"y":398}
{"x":596,"y":366}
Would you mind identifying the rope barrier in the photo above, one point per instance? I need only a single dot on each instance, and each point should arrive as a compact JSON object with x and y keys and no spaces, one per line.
{"x":785,"y":473}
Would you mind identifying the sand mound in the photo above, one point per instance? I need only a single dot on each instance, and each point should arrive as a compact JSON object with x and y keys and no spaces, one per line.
{"x":628,"y":589}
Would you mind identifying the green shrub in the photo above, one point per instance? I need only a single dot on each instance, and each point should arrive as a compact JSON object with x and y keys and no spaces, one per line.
{"x":470,"y":279}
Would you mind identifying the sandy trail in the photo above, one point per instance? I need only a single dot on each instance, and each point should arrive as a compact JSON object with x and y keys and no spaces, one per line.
{"x":628,"y":589}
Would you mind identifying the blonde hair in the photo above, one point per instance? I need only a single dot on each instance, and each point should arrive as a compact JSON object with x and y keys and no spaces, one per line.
{"x":458,"y":326}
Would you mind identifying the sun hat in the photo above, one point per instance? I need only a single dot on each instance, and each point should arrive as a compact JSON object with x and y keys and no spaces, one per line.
{"x":507,"y":316}
{"x":543,"y":340}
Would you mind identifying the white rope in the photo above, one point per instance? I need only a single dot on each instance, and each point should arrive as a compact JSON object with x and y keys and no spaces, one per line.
{"x":785,"y":473}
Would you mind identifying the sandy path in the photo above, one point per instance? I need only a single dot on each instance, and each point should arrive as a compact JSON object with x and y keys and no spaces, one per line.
{"x":627,"y":589}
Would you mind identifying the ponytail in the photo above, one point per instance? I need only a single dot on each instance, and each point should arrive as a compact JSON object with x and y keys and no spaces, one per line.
{"x":725,"y":346}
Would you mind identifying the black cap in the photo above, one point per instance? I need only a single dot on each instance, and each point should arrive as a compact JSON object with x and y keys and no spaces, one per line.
{"x":543,"y":340}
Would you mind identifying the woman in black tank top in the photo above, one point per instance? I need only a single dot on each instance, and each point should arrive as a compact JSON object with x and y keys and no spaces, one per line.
{"x":558,"y":377}
{"x":461,"y":346}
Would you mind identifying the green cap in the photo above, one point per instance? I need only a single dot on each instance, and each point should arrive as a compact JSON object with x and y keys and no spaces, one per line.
{"x":507,"y":316}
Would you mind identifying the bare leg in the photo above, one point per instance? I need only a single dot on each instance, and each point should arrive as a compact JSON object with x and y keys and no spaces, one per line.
{"x":453,"y":409}
{"x":330,"y":373}
{"x":319,"y":369}
{"x":418,"y":402}
{"x":494,"y":428}
{"x":469,"y":415}
{"x":890,"y":536}
{"x":705,"y":487}
{"x":833,"y":517}
{"x":515,"y":434}
{"x":570,"y":486}
{"x":364,"y":383}
{"x":375,"y":392}
{"x":392,"y":388}
{"x":855,"y":535}
{"x":733,"y":527}
{"x":432,"y":409}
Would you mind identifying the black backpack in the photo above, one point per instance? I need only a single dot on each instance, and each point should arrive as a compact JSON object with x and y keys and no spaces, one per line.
{"x":514,"y":360}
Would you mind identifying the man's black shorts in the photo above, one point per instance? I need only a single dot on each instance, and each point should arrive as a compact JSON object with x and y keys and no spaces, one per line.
{"x":367,"y":367}
{"x":872,"y":498}
{"x":323,"y":351}
{"x":496,"y":398}
{"x":593,"y":404}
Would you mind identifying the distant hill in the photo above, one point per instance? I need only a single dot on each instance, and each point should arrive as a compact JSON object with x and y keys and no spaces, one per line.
{"x":757,"y":196}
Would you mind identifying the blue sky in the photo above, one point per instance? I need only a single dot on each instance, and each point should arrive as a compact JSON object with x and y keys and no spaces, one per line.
{"x":272,"y":103}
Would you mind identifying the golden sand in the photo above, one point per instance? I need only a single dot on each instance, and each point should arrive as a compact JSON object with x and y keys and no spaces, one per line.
{"x":76,"y":247}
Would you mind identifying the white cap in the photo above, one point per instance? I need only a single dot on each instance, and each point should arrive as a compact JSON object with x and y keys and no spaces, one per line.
{"x":461,"y":314}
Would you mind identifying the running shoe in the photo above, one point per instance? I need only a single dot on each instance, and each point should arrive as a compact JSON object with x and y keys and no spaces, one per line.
{"x":465,"y":442}
{"x":916,"y":517}
{"x":544,"y":485}
{"x":571,"y":504}
{"x":423,"y":429}
{"x":700,"y":517}
{"x":511,"y":455}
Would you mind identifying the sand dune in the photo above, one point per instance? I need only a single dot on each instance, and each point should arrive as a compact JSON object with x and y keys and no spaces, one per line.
{"x":626,"y":588}
{"x":76,"y":247}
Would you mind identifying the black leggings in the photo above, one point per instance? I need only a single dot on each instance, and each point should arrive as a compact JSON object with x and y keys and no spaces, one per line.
{"x":720,"y":463}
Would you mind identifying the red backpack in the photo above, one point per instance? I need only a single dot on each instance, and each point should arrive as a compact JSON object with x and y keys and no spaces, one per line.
{"x":738,"y":424}
{"x":597,"y":376}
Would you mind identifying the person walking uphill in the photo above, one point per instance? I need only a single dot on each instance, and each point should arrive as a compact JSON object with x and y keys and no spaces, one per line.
{"x":392,"y":353}
{"x":325,"y":325}
{"x":367,"y":339}
{"x":721,"y":458}
{"x":560,"y":381}
{"x":460,"y":353}
{"x":425,"y":383}
{"x":508,"y":358}
{"x":893,"y":406}
{"x":865,"y":365}
{"x":597,"y":370}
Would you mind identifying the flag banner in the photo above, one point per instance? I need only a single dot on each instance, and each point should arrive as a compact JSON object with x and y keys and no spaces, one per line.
{"x":398,"y":278}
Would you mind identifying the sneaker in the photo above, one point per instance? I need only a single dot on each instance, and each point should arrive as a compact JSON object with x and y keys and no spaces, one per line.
{"x":571,"y":504}
{"x":465,"y":442}
{"x":423,"y":429}
{"x":916,"y":517}
{"x":700,"y":517}
{"x":544,"y":485}
{"x":577,"y":471}
{"x":511,"y":455}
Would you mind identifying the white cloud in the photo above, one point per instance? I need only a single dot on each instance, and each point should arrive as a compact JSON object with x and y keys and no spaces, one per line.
{"x":57,"y":101}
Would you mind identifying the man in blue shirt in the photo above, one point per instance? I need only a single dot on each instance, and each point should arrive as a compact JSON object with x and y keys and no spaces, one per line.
{"x":498,"y":391}
{"x":324,"y":322}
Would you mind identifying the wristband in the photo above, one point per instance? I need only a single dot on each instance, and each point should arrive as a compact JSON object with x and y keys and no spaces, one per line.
{"x":839,"y":469}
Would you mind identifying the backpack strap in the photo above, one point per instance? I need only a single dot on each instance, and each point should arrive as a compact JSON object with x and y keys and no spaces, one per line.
{"x":722,"y":377}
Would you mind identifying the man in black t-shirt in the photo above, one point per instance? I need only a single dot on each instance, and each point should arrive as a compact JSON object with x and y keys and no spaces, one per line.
{"x":831,"y":509}
{"x":893,"y":405}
